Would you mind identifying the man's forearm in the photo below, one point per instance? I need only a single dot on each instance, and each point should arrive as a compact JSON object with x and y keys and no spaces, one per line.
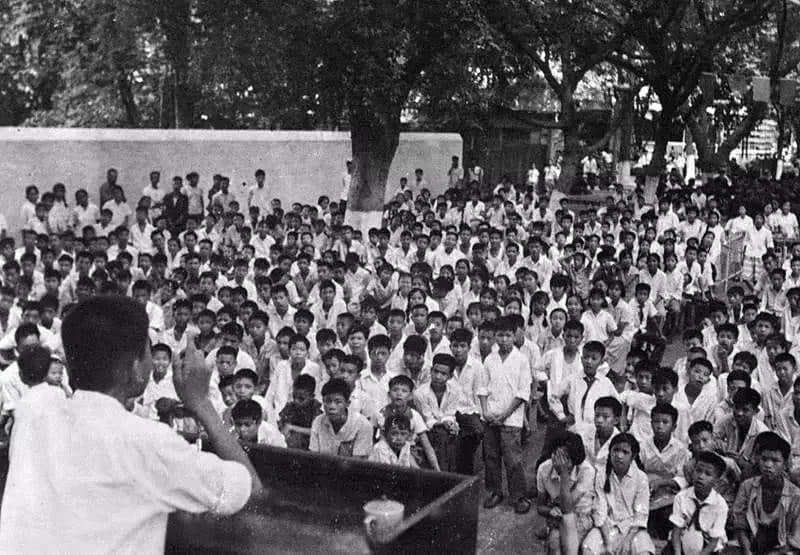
{"x":224,"y":444}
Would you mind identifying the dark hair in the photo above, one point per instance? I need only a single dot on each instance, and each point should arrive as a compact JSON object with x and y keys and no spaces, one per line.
{"x":665,"y":408}
{"x":624,"y":437}
{"x":336,"y":386}
{"x":572,"y":444}
{"x":415,"y":344}
{"x":699,"y":427}
{"x":461,"y":335}
{"x":379,"y":340}
{"x":355,"y":360}
{"x":746,"y":358}
{"x":445,"y":359}
{"x":396,"y":420}
{"x":226,"y":381}
{"x":161,"y":348}
{"x":610,"y":403}
{"x":747,"y":396}
{"x":34,"y":363}
{"x":100,"y":335}
{"x":297,"y":338}
{"x":246,"y":374}
{"x":740,"y":375}
{"x":713,"y":459}
{"x":664,"y":376}
{"x":770,"y":441}
{"x":247,"y":409}
{"x":402,"y":379}
{"x":595,"y":347}
{"x":305,"y":382}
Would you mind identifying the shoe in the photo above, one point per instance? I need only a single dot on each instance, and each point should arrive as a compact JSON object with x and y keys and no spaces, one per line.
{"x":492,"y":501}
{"x":522,"y":506}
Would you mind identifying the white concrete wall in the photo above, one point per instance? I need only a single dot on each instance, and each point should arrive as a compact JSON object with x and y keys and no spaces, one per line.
{"x":300,"y":165}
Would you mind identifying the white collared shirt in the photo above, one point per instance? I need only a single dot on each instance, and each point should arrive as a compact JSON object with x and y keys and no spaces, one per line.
{"x":86,"y":476}
{"x":503,"y":381}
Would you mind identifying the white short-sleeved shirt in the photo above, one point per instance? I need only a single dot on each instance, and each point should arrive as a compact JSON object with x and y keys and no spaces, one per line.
{"x":89,"y":477}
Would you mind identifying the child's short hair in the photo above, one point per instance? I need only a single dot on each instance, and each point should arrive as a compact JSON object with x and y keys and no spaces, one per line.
{"x":227,"y":350}
{"x":777,"y":339}
{"x":247,"y":409}
{"x":699,"y":427}
{"x":445,"y":359}
{"x":697,"y":351}
{"x":34,"y":363}
{"x":298,"y":338}
{"x":665,"y":376}
{"x":665,"y":408}
{"x":287,"y":332}
{"x":396,"y":420}
{"x":786,"y":357}
{"x":770,"y":441}
{"x":336,"y":386}
{"x":378,"y":341}
{"x":246,"y":374}
{"x":461,"y":335}
{"x":305,"y":382}
{"x":504,"y":323}
{"x":746,"y":358}
{"x":358,"y":329}
{"x":709,"y":457}
{"x":740,"y":376}
{"x":355,"y":360}
{"x":437,"y":315}
{"x":338,"y":354}
{"x":747,"y":396}
{"x":325,"y":335}
{"x":233,"y":329}
{"x":609,"y":403}
{"x":730,"y":328}
{"x":402,"y":379}
{"x":595,"y":347}
{"x":705,"y":363}
{"x":304,"y":314}
{"x":415,"y":344}
{"x":635,"y":353}
{"x":161,"y":348}
{"x":642,"y":288}
{"x":226,"y":381}
{"x":260,"y":316}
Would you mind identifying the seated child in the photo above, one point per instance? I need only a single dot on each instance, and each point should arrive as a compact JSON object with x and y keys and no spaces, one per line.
{"x":638,"y":402}
{"x":698,"y":392}
{"x":766,"y":513}
{"x":701,"y":436}
{"x":663,"y":458}
{"x":439,"y":400}
{"x":622,"y":504}
{"x":339,"y":431}
{"x":744,"y":361}
{"x":228,"y":397}
{"x":699,"y":513}
{"x":565,"y":486}
{"x":401,"y":389}
{"x":596,"y":440}
{"x":774,"y":399}
{"x":37,"y":366}
{"x":736,"y":434}
{"x":394,"y":447}
{"x":249,"y":425}
{"x":736,"y":380}
{"x":296,"y":418}
{"x":789,"y":429}
{"x":245,"y":385}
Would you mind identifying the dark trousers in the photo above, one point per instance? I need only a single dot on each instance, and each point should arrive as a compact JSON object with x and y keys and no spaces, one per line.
{"x":502,"y":445}
{"x":444,"y":445}
{"x":469,"y":439}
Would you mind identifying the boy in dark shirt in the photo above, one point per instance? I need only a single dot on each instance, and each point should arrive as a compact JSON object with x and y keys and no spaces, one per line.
{"x":294,"y":421}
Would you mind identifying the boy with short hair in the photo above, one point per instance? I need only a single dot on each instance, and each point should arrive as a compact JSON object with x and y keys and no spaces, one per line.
{"x":160,"y":383}
{"x":639,"y":402}
{"x":775,"y":399}
{"x":505,"y":388}
{"x":699,"y":513}
{"x":439,"y":401}
{"x":467,"y":372}
{"x":373,"y":382}
{"x":280,"y":388}
{"x":665,"y":385}
{"x":394,"y":447}
{"x":737,"y":433}
{"x":596,"y":440}
{"x":699,"y":393}
{"x":766,"y":513}
{"x":249,"y":424}
{"x":339,"y":431}
{"x":582,"y":390}
{"x":296,"y":418}
{"x":701,"y":438}
{"x":401,"y":397}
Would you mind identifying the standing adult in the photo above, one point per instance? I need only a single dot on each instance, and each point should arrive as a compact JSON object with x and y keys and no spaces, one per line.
{"x":107,"y":188}
{"x":194,"y":194}
{"x":176,"y":206}
{"x":455,"y":174}
{"x":258,"y":195}
{"x":347,"y":179}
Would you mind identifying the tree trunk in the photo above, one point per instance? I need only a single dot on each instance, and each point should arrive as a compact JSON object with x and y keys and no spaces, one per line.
{"x":710,"y":157}
{"x":571,"y":156}
{"x":658,"y":162}
{"x":127,"y":99}
{"x":176,"y":22}
{"x":374,"y":138}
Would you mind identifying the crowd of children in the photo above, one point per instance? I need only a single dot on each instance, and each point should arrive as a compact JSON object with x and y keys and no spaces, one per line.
{"x":440,"y":340}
